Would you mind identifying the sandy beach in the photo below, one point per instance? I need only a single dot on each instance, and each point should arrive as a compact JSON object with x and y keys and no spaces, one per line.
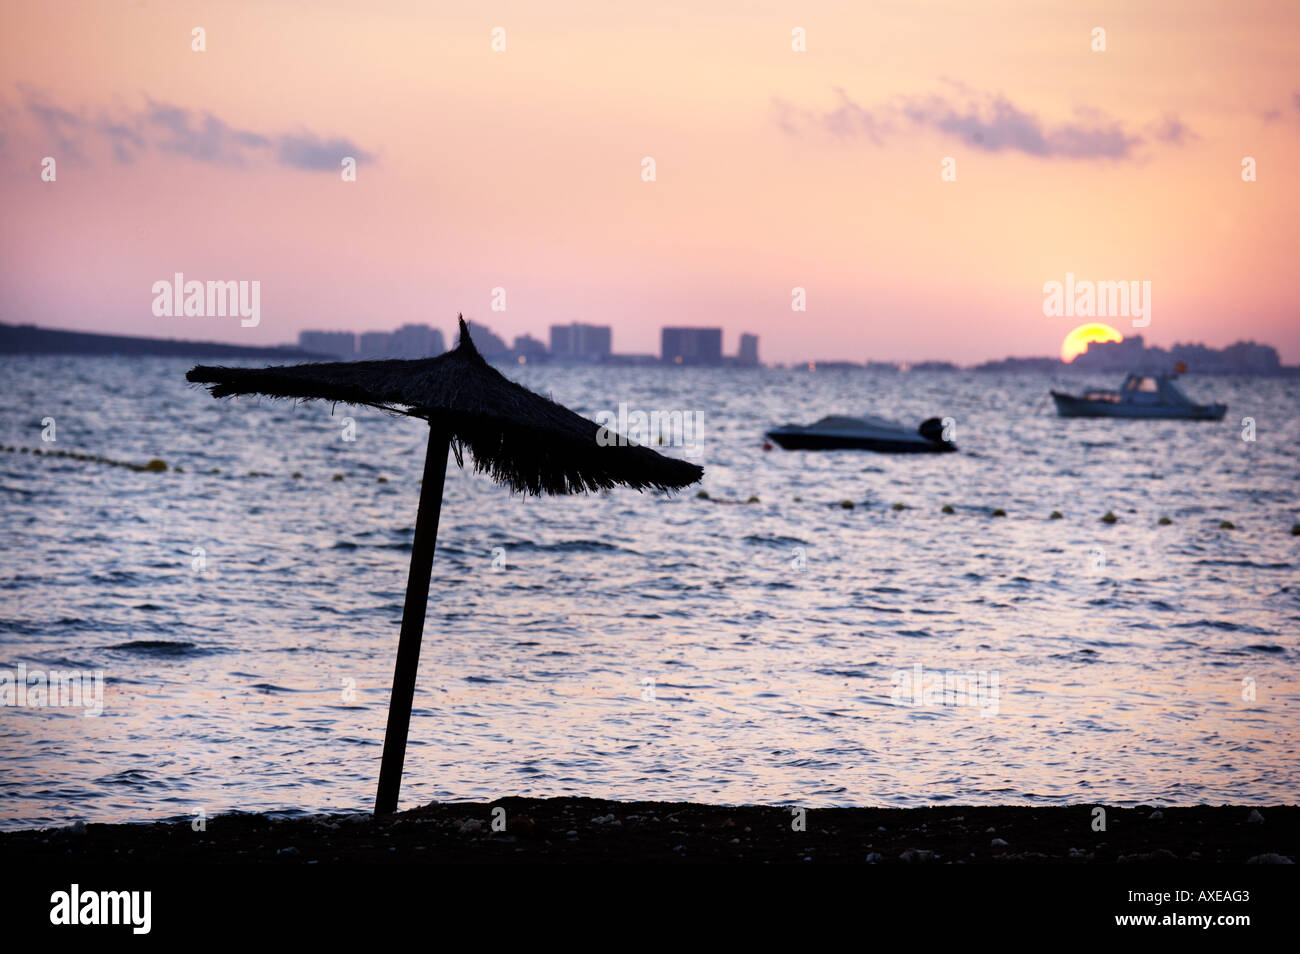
{"x":596,"y":831}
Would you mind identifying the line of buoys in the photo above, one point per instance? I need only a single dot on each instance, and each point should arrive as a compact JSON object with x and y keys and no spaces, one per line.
{"x":155,"y":464}
{"x":1107,"y":517}
{"x":158,"y":465}
{"x":704,"y":495}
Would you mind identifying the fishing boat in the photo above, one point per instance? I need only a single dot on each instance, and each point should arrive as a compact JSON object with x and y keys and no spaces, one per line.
{"x":1142,"y":395}
{"x":863,"y":433}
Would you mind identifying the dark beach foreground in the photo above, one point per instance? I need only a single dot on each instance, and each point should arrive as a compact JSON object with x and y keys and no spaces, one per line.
{"x":598,"y":831}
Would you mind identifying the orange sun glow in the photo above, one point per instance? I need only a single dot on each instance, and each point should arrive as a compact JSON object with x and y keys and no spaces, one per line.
{"x":1077,"y":341}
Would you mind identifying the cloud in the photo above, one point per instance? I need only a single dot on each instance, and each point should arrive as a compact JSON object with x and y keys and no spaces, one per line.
{"x":788,"y":116}
{"x":1173,"y":131}
{"x":125,"y":140}
{"x":61,"y":127}
{"x":196,"y":135}
{"x":205,"y":138}
{"x":992,"y":129}
{"x":849,"y":119}
{"x":990,"y":123}
{"x":307,"y":151}
{"x":1269,"y":116}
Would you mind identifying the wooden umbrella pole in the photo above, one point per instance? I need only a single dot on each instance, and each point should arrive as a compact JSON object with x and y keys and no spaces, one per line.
{"x":417,"y":601}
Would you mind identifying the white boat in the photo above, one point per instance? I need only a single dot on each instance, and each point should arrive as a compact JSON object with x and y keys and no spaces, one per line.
{"x":863,"y":433}
{"x":1142,"y":395}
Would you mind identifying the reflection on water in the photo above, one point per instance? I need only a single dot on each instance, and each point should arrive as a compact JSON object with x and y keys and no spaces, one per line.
{"x":639,"y":646}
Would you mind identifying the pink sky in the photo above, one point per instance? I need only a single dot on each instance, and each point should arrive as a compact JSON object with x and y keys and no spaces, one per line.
{"x":522,"y":169}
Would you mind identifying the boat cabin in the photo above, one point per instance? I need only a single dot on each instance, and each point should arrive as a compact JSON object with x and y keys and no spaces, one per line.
{"x":1148,"y":389}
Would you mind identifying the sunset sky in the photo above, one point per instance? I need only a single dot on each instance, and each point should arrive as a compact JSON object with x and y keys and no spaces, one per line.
{"x":522,"y":169}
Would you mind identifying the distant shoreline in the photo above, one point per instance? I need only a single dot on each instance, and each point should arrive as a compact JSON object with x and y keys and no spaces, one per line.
{"x":31,"y":340}
{"x":34,"y":340}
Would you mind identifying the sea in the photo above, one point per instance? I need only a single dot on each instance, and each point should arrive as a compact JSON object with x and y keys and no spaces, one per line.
{"x":801,"y":628}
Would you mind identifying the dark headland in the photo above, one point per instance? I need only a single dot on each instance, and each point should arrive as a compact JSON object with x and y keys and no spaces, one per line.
{"x":594,"y":830}
{"x":29,"y":339}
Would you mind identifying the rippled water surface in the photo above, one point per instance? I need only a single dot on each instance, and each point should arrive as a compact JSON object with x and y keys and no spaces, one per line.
{"x":770,"y":631}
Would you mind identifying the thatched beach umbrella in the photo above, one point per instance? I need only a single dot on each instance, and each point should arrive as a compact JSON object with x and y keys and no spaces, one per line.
{"x":520,"y":439}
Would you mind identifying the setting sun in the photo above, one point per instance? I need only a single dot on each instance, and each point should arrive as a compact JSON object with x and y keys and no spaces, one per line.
{"x":1077,"y":341}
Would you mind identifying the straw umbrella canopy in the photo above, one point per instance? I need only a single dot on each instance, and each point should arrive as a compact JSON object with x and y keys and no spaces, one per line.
{"x":518,"y":438}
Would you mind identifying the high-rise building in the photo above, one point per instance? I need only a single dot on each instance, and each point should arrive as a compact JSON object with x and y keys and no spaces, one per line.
{"x":374,"y":344}
{"x":529,"y":347}
{"x":562,"y":337}
{"x":748,"y":353}
{"x":415,"y":341}
{"x":578,"y":342}
{"x":692,"y":346}
{"x":488,"y":344}
{"x":336,"y":344}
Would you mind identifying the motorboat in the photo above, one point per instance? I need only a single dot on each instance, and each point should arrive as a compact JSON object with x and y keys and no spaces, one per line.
{"x":1142,"y":395}
{"x":863,"y":433}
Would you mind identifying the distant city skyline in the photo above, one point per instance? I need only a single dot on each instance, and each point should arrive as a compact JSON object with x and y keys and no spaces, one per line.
{"x":702,"y":347}
{"x":574,"y":342}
